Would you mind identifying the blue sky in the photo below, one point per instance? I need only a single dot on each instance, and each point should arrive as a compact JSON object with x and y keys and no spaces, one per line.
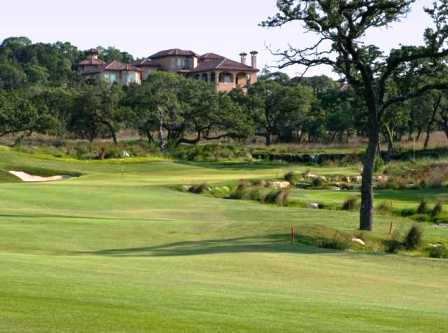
{"x":143,"y":27}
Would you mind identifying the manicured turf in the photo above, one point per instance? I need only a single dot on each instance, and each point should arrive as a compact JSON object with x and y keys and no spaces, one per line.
{"x":120,"y":250}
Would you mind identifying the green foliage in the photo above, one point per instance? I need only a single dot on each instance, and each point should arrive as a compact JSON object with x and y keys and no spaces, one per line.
{"x":413,"y":238}
{"x":438,"y":251}
{"x":198,"y":189}
{"x":422,"y":207}
{"x":437,"y":210}
{"x":335,"y":240}
{"x":211,"y":152}
{"x":350,"y":204}
{"x":11,"y":77}
{"x":378,"y":164}
{"x":292,"y":177}
{"x":394,"y":244}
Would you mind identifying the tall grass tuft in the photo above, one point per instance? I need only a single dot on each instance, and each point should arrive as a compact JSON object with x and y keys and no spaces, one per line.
{"x":350,"y":204}
{"x":413,"y":238}
{"x":437,"y":210}
{"x":422,"y":207}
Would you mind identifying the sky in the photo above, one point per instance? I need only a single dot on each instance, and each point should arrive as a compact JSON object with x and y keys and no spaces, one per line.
{"x":144,"y":27}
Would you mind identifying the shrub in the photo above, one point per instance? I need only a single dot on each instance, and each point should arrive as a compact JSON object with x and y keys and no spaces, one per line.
{"x":255,"y":194}
{"x":437,"y":210}
{"x":406,"y":212}
{"x":198,"y":189}
{"x":317,"y":182}
{"x":394,"y":244}
{"x":259,"y":182}
{"x":438,"y":251}
{"x":292,"y":177}
{"x":337,"y":242}
{"x":422,"y":207}
{"x":350,"y":204}
{"x":378,"y":164}
{"x":413,"y":238}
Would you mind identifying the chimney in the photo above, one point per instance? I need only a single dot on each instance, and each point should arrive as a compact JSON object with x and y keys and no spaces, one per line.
{"x":243,"y":57}
{"x":93,"y":54}
{"x":254,"y":58}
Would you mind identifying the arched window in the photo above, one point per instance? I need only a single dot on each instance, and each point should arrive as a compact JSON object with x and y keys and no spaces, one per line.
{"x":242,"y":79}
{"x":226,"y":77}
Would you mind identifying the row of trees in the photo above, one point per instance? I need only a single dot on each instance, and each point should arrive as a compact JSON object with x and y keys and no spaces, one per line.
{"x":40,"y":91}
{"x":169,"y":109}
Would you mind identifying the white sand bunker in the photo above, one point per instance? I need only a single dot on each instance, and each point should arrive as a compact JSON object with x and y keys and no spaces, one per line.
{"x":26,"y":177}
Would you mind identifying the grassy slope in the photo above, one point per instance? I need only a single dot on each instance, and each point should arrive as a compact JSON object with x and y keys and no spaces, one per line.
{"x":118,"y":250}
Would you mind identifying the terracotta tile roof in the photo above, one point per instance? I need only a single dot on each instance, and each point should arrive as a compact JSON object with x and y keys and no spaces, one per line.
{"x":211,"y":61}
{"x":173,"y":52}
{"x":210,"y":56}
{"x":119,"y":66}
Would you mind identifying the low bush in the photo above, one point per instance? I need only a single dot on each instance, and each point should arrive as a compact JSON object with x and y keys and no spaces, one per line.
{"x":437,"y":210}
{"x":211,"y":153}
{"x":406,"y":212}
{"x":338,"y":241}
{"x":350,"y":204}
{"x":198,"y":189}
{"x":292,"y":177}
{"x":422,"y":207}
{"x":317,"y":182}
{"x":394,"y":244}
{"x":241,"y":190}
{"x":279,"y":197}
{"x":438,"y":251}
{"x":413,"y":238}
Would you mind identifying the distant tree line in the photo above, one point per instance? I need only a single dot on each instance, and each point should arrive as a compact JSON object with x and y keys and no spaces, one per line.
{"x":41,"y":92}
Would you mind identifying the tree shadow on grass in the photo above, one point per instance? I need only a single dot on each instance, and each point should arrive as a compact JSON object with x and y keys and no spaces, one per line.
{"x":277,"y":243}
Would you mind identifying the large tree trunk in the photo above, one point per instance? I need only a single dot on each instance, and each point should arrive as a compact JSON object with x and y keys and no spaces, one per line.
{"x":366,"y":211}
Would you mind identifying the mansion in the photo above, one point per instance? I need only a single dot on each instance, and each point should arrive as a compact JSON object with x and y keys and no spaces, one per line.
{"x":224,"y":74}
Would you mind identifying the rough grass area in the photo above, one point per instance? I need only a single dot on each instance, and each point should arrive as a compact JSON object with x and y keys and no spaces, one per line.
{"x":6,"y":177}
{"x":118,"y":250}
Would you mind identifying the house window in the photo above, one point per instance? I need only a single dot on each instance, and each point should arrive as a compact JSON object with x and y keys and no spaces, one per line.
{"x":184,"y":63}
{"x":226,"y":78}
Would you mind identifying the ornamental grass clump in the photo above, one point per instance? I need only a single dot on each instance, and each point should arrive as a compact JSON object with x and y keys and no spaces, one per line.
{"x":413,"y":238}
{"x":350,"y":204}
{"x":422,"y":207}
{"x":437,"y":210}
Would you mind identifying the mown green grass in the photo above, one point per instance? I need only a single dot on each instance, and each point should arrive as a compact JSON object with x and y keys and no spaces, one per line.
{"x":119,"y":250}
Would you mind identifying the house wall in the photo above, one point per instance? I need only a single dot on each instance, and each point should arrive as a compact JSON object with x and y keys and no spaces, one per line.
{"x":170,"y":64}
{"x":131,"y":77}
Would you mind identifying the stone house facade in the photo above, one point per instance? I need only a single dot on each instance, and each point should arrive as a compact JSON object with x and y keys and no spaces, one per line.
{"x":222,"y":73}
